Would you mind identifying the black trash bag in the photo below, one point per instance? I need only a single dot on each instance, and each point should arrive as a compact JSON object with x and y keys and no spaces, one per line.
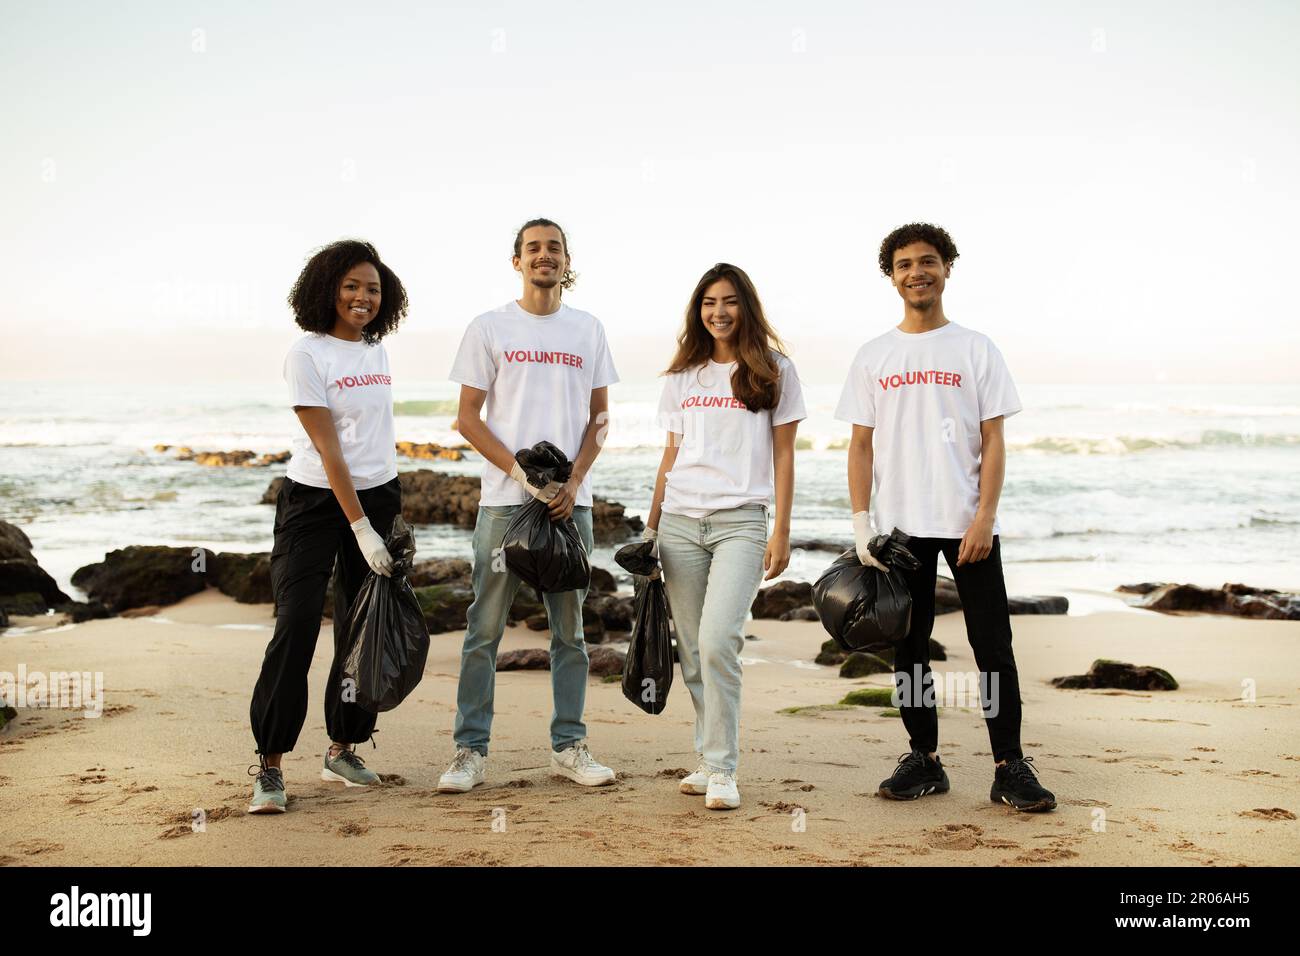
{"x":861,"y":606}
{"x":385,"y":633}
{"x":648,"y":667}
{"x":546,"y":554}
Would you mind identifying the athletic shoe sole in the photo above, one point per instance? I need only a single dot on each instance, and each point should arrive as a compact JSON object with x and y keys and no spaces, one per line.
{"x":693,"y":790}
{"x":576,"y":778}
{"x":331,"y":777}
{"x":1034,"y":806}
{"x":457,"y":788}
{"x":718,"y":803}
{"x":915,"y":793}
{"x":266,"y":808}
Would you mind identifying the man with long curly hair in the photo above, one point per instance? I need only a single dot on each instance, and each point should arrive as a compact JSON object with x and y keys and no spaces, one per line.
{"x":927,"y":401}
{"x":543,"y":371}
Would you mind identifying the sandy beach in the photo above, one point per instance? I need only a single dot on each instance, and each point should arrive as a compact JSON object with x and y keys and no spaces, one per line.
{"x":1198,"y":776}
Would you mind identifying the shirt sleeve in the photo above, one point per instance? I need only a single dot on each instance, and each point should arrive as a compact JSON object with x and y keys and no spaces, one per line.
{"x":305,"y":379}
{"x":605,"y":373}
{"x":474,"y":365}
{"x":789,"y":407}
{"x":995,"y":389}
{"x":857,"y":401}
{"x":670,"y":416}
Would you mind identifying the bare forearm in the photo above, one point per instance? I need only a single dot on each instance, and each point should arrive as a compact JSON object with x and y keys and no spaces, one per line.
{"x":783,"y":470}
{"x":340,"y":479}
{"x":861,"y":463}
{"x":993,"y":468}
{"x":475,"y":431}
{"x":592,"y":441}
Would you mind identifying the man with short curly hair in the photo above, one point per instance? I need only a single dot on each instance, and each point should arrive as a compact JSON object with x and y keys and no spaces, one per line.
{"x":927,"y":401}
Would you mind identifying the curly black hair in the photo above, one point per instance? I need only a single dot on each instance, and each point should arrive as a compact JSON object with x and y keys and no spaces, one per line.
{"x":314,"y":294}
{"x":936,"y":236}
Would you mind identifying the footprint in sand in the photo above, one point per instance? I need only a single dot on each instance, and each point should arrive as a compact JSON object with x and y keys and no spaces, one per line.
{"x":37,"y":847}
{"x":352,"y":828}
{"x":1273,"y":813}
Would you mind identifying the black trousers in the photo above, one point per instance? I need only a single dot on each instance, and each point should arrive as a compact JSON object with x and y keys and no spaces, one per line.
{"x":983,"y":593}
{"x":311,"y":532}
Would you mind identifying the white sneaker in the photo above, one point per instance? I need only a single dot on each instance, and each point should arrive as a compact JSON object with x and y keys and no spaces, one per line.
{"x":696,"y":783}
{"x":465,"y":772}
{"x":722,"y":793}
{"x":580,"y":766}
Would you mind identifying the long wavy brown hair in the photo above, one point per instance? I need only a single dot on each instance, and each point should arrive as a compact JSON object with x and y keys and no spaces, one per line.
{"x":756,"y":379}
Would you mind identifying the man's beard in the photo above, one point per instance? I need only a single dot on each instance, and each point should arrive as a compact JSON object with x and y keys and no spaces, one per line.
{"x":543,"y":282}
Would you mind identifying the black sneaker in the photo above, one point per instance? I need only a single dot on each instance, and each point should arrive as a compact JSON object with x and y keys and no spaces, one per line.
{"x":1015,"y":785}
{"x":915,"y":776}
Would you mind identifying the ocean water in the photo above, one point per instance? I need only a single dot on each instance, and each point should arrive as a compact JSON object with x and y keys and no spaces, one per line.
{"x":1105,"y":484}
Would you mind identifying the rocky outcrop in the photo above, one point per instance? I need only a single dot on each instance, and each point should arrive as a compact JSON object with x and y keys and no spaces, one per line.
{"x":139,"y":576}
{"x":1117,"y":674}
{"x":604,"y":661}
{"x":861,"y":664}
{"x":436,"y":497}
{"x":432,"y":450}
{"x":245,"y":577}
{"x":1240,"y":600}
{"x":240,"y":458}
{"x":445,"y":606}
{"x":832,"y":655}
{"x":772,"y":602}
{"x":25,"y":587}
{"x":440,"y":571}
{"x":524,"y":659}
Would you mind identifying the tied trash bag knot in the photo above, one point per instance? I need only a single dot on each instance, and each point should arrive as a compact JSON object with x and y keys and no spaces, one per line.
{"x":385,"y":632}
{"x":544,"y":463}
{"x":861,"y":606}
{"x":544,"y":553}
{"x":648,"y":667}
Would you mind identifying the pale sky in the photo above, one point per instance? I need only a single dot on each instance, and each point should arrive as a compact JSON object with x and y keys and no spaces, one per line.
{"x":1119,"y":178}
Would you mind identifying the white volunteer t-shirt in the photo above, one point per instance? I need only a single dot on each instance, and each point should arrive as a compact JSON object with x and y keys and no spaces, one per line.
{"x":539,"y":372}
{"x":925,"y":394}
{"x":351,"y":379}
{"x":725,"y":457}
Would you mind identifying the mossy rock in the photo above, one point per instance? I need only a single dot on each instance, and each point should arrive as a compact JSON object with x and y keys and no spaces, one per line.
{"x":445,"y":606}
{"x":889,"y":712}
{"x":812,"y":710}
{"x":861,"y":664}
{"x":870,"y":697}
{"x":24,"y":602}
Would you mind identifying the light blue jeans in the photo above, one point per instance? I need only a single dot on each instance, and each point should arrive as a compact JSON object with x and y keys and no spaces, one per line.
{"x":712,"y":568}
{"x":494,"y":591}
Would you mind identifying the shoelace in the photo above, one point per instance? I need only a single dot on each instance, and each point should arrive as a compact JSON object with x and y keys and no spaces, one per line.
{"x":351,"y":759}
{"x":461,"y":760}
{"x":268,"y":778}
{"x":912,"y":760}
{"x":583,"y":757}
{"x":1021,"y":769}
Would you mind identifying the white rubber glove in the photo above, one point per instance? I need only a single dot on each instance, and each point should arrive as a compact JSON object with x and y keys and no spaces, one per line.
{"x":650,"y":534}
{"x":541,"y":494}
{"x":372,"y":547}
{"x":862,"y":535}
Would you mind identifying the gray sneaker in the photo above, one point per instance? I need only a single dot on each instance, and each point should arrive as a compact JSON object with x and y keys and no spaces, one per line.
{"x":347,"y":768}
{"x":268,"y":790}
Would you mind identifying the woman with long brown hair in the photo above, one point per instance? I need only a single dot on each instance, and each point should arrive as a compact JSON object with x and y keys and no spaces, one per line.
{"x":731,"y":404}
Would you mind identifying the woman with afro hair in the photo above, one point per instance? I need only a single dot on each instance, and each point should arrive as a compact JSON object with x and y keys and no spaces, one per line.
{"x":335,"y":507}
